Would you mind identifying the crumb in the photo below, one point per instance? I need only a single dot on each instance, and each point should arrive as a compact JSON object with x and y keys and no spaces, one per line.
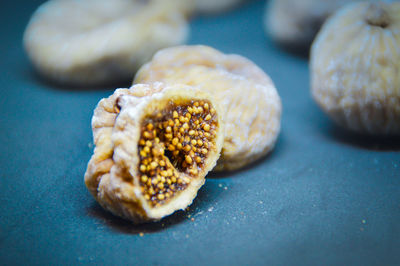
{"x":225,"y":188}
{"x":220,"y":185}
{"x":192,"y":219}
{"x":364,"y":221}
{"x":210,"y":209}
{"x":141,"y":234}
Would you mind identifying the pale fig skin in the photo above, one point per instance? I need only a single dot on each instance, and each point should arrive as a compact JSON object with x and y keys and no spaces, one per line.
{"x":355,"y":68}
{"x":112,"y":175}
{"x":295,"y":23}
{"x":251,"y":104}
{"x":100,"y":42}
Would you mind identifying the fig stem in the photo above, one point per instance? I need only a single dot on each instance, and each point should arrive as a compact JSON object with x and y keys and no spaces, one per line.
{"x":377,"y":16}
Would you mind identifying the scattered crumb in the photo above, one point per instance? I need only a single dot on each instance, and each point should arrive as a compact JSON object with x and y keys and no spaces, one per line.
{"x":225,"y":188}
{"x":210,"y":209}
{"x":364,"y":221}
{"x":220,"y":185}
{"x":192,"y":219}
{"x":189,"y":216}
{"x":261,"y":202}
{"x":141,"y":234}
{"x":90,"y":145}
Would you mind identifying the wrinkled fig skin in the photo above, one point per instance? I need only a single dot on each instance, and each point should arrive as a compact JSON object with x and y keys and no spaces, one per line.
{"x":251,"y":104}
{"x":355,"y":68}
{"x":100,"y":42}
{"x":154,"y":145}
{"x":294,"y":24}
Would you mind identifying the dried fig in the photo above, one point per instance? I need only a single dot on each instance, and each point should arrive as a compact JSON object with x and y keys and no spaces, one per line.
{"x":355,"y":68}
{"x":91,"y":42}
{"x":250,"y":102}
{"x":154,"y":146}
{"x":294,"y":23}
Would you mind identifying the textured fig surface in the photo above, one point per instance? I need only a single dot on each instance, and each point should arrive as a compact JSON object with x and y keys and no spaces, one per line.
{"x":250,"y":102}
{"x":355,"y":68}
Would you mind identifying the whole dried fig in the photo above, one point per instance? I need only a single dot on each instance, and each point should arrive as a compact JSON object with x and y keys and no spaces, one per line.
{"x":91,"y":42}
{"x":295,"y":23}
{"x":250,"y":102}
{"x":355,"y":68}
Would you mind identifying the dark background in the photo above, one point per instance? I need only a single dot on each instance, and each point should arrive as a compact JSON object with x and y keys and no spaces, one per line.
{"x":322,"y":197}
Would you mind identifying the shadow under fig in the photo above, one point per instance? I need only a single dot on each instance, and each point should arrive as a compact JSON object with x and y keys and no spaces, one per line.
{"x":301,"y":51}
{"x":377,"y":143}
{"x":36,"y":77}
{"x":225,"y":173}
{"x":127,"y":227}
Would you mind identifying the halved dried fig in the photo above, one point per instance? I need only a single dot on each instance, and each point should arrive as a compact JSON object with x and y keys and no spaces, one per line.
{"x":251,"y":104}
{"x":90,"y":42}
{"x":154,"y":146}
{"x":355,"y":68}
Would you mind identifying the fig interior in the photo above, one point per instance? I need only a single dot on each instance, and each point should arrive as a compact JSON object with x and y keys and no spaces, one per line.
{"x":173,"y":147}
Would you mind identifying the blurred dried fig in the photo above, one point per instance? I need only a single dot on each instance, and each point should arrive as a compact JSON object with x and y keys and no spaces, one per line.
{"x":295,"y":23}
{"x":90,"y":42}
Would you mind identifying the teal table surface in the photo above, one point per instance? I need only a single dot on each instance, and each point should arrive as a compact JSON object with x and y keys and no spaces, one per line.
{"x":322,"y":197}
